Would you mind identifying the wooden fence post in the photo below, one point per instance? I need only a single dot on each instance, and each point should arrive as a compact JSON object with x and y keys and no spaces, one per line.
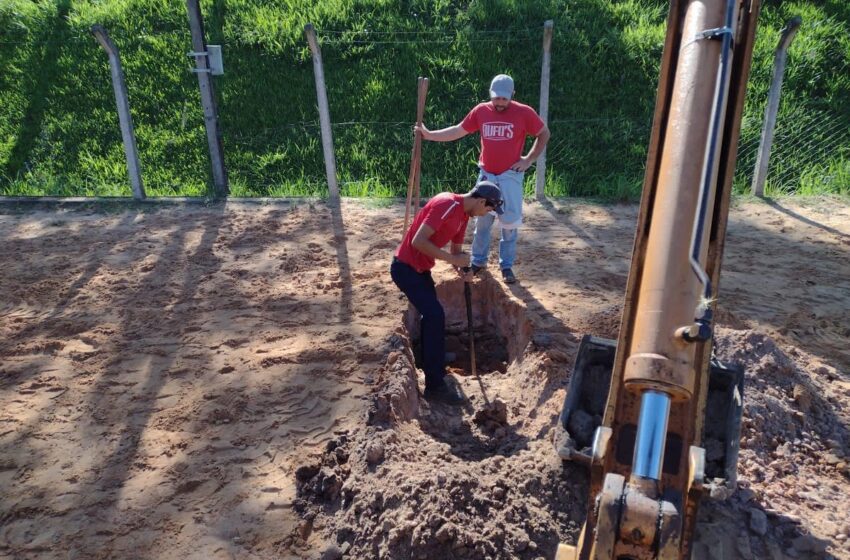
{"x":421,"y":94}
{"x":324,"y":112}
{"x":125,"y":120}
{"x":415,"y":175}
{"x":760,"y":172}
{"x":544,"y":105}
{"x":202,"y":69}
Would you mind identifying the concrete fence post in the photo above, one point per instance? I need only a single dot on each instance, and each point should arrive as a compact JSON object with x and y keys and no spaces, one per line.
{"x":324,"y":112}
{"x":766,"y":143}
{"x":203,"y":70}
{"x":544,"y":106}
{"x":125,"y":120}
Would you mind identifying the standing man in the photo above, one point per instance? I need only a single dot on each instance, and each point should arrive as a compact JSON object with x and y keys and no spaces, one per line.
{"x":440,"y":221}
{"x":503,"y":125}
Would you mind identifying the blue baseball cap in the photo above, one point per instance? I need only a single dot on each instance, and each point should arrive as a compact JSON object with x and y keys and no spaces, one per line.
{"x":491,"y":193}
{"x":502,"y":86}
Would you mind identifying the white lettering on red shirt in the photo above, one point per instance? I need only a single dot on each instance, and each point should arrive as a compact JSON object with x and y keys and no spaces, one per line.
{"x":497,"y":131}
{"x":502,"y":133}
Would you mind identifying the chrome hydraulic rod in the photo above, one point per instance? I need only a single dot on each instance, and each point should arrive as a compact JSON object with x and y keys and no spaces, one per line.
{"x":651,"y":434}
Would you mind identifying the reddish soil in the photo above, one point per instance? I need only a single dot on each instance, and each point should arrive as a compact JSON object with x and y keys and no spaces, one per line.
{"x":238,"y":381}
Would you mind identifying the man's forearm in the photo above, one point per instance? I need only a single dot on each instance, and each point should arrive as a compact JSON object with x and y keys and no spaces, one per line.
{"x":427,"y":247}
{"x":539,"y":145}
{"x":449,"y":134}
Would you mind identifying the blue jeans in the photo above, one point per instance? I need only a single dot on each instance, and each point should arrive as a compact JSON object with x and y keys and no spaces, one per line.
{"x":481,"y":243}
{"x":510,"y":182}
{"x":419,"y":289}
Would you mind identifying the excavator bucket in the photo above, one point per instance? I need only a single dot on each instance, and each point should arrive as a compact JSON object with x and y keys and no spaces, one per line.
{"x":721,"y":432}
{"x":584,"y":407}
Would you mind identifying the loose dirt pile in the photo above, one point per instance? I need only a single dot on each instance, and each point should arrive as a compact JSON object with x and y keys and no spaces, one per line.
{"x":793,"y":464}
{"x":239,"y":381}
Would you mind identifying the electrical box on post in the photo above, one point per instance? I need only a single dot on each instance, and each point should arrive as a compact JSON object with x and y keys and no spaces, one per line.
{"x":215,"y":60}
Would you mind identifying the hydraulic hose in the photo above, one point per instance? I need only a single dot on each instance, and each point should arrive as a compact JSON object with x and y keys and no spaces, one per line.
{"x":703,"y":314}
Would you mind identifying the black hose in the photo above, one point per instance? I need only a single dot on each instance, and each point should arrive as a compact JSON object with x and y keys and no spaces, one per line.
{"x":703,"y":314}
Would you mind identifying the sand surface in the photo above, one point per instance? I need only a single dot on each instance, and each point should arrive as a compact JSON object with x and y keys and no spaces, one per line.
{"x":237,"y":381}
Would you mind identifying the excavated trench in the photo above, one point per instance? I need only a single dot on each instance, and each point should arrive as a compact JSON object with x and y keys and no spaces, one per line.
{"x":430,"y":480}
{"x":487,"y":425}
{"x":501,"y":329}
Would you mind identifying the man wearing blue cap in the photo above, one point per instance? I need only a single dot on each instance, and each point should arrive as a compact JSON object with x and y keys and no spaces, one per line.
{"x":504,"y":125}
{"x":441,"y":221}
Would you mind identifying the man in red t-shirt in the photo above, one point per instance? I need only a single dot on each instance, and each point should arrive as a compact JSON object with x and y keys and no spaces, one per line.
{"x":441,"y":221}
{"x":504,"y":125}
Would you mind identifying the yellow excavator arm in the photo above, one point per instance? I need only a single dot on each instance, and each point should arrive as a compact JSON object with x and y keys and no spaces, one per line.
{"x":670,"y":427}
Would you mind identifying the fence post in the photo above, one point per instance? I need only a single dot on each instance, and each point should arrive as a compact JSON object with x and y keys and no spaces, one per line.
{"x":125,"y":120}
{"x":544,"y":106}
{"x":760,"y":172}
{"x":324,"y":112}
{"x":202,"y":69}
{"x":416,"y":155}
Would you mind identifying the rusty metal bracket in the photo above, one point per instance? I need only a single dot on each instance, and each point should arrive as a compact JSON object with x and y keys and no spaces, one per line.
{"x":714,"y":33}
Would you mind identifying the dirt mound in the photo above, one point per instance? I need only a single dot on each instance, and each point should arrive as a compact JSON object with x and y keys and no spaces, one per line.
{"x":418,"y":504}
{"x":793,"y":456}
{"x":472,"y":482}
{"x":475,"y":483}
{"x":237,"y":381}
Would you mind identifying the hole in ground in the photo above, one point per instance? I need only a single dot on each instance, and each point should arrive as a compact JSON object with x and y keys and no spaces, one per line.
{"x":487,"y":424}
{"x":501,"y":329}
{"x":491,"y":355}
{"x":476,"y":466}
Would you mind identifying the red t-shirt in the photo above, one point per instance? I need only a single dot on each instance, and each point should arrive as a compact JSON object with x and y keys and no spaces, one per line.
{"x":444,"y":213}
{"x":502,"y":133}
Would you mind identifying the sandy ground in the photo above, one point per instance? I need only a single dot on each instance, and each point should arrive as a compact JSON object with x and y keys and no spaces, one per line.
{"x":237,"y":381}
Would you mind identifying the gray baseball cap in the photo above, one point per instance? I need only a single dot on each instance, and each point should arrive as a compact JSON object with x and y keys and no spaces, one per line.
{"x":491,"y":193}
{"x":502,"y":86}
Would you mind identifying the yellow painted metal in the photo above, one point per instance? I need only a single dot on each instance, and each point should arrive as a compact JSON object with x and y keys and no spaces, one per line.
{"x":608,"y":518}
{"x":640,"y":512}
{"x":669,"y":289}
{"x":662,"y":292}
{"x":565,"y":552}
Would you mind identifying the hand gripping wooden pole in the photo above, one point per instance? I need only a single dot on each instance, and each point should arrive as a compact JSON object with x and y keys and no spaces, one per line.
{"x":413,"y":178}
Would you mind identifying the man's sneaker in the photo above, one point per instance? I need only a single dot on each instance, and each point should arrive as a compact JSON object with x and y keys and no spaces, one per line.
{"x":508,"y":276}
{"x":476,"y":269}
{"x":444,"y":393}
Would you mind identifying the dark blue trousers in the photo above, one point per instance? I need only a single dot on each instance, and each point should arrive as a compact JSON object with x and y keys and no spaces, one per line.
{"x":419,"y":289}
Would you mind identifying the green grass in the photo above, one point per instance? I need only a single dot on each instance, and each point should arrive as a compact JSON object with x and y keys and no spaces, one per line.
{"x":59,"y":131}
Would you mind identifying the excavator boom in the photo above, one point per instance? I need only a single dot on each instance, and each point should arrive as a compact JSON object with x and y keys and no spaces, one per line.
{"x":669,"y":429}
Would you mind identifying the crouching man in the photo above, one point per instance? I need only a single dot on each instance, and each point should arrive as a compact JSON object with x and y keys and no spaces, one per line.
{"x":442,"y":220}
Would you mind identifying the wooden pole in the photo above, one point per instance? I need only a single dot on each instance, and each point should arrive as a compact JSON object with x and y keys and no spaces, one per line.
{"x":544,"y":106}
{"x":202,"y":69}
{"x":324,"y":112}
{"x":416,"y":154}
{"x":766,"y":143}
{"x":125,"y":119}
{"x":421,"y":95}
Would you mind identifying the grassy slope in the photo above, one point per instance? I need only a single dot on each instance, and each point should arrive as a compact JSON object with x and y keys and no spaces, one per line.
{"x":59,"y":132}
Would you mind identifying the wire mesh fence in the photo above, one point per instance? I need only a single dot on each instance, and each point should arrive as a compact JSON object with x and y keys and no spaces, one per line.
{"x":59,"y":130}
{"x":373,"y":119}
{"x":811,"y":147}
{"x":68,"y":141}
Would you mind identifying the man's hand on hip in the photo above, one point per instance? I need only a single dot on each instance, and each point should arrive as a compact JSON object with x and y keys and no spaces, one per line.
{"x":522,"y":165}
